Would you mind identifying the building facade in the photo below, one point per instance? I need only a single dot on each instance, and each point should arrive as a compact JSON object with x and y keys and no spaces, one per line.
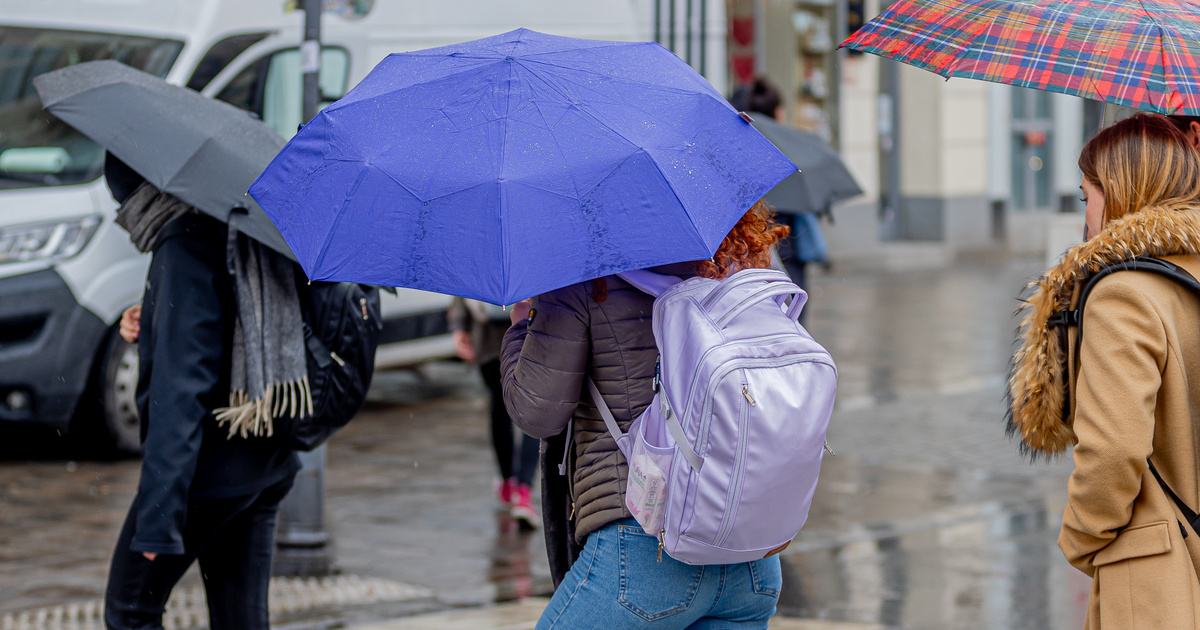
{"x":947,"y":167}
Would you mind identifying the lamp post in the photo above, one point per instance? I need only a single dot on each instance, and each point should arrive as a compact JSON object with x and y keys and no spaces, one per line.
{"x":301,"y":536}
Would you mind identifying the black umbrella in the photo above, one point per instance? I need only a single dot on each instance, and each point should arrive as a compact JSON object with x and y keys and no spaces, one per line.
{"x":823,"y":179}
{"x":201,"y":150}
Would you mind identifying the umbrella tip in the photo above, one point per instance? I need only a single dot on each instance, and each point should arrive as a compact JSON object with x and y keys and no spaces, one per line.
{"x":746,"y":117}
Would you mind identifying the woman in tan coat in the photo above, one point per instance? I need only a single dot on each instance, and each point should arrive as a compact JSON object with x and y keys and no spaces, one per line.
{"x":1126,"y":393}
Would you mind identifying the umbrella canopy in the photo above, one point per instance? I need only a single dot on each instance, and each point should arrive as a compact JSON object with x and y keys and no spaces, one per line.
{"x":513,"y":165}
{"x":200,"y":150}
{"x":1137,"y":54}
{"x":823,"y":179}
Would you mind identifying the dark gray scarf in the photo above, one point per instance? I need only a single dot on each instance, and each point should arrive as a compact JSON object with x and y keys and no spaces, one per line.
{"x":269,"y":376}
{"x":145,"y":212}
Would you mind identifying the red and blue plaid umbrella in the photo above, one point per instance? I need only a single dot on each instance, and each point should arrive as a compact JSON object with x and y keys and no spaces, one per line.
{"x":1137,"y":54}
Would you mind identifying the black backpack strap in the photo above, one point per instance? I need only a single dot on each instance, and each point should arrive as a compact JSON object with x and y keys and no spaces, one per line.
{"x":1068,"y":317}
{"x":1192,"y":518}
{"x":1074,"y":317}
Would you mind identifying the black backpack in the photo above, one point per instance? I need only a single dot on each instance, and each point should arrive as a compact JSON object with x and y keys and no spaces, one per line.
{"x":342,"y":324}
{"x":1069,"y":317}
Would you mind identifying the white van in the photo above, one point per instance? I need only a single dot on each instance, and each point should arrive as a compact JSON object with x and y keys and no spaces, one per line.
{"x":67,"y":271}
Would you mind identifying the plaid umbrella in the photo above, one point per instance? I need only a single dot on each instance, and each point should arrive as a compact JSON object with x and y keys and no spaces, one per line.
{"x":1136,"y":54}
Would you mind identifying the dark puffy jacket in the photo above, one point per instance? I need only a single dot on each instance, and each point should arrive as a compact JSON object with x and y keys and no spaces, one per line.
{"x":544,"y":361}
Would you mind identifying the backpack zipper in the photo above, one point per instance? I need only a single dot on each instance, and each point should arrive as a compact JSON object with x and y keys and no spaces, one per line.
{"x":749,"y":398}
{"x":662,"y":543}
{"x":767,"y":362}
{"x":739,"y":469}
{"x":757,"y":341}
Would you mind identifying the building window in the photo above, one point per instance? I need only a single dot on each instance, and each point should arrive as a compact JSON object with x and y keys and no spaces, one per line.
{"x":1031,"y":140}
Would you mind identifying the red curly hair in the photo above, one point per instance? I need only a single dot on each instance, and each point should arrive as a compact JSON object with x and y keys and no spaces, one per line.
{"x":748,"y":244}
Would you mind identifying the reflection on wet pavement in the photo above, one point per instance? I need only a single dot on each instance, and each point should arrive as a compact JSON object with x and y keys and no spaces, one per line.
{"x":927,"y":517}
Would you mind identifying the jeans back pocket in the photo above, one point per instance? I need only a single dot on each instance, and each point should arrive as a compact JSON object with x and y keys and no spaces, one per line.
{"x":649,"y":588}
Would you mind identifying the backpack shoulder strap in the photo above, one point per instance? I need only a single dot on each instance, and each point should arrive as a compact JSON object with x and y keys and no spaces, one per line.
{"x":622,"y":439}
{"x":609,"y":421}
{"x":654,"y":284}
{"x":1157,"y":266}
{"x":1068,"y":317}
{"x":1192,"y":518}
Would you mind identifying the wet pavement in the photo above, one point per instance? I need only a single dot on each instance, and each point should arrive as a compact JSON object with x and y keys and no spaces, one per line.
{"x":927,"y":517}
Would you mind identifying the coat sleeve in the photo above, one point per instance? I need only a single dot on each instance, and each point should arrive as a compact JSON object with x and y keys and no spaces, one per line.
{"x":186,"y":344}
{"x":1122,"y":356}
{"x":457,"y":317}
{"x":543,"y":362}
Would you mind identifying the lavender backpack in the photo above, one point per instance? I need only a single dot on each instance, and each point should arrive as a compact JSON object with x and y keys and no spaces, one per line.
{"x":724,"y":462}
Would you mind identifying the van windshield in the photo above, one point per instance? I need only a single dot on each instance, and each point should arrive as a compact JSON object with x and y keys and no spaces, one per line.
{"x":36,"y":148}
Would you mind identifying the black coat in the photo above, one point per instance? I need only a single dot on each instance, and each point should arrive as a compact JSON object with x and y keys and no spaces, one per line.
{"x":186,"y":338}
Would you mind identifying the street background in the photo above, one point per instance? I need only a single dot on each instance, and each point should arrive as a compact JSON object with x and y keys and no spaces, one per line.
{"x":926,"y":518}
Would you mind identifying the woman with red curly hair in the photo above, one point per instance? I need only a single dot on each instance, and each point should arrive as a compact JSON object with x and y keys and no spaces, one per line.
{"x":606,"y":569}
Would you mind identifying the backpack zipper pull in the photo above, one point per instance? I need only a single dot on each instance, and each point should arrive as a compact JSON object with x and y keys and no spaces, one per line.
{"x":362,"y":303}
{"x":827,"y":448}
{"x":572,"y":516}
{"x":746,"y":393}
{"x":661,"y":544}
{"x":335,"y":357}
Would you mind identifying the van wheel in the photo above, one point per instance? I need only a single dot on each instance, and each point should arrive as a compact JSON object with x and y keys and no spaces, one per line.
{"x":118,"y":379}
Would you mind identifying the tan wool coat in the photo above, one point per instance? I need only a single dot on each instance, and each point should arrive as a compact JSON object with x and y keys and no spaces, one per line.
{"x":1131,"y":392}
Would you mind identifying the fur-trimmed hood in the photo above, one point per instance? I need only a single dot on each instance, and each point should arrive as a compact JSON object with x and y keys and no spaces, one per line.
{"x":1037,"y":383}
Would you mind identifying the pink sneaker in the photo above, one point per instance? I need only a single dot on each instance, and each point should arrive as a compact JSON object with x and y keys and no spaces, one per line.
{"x":523,"y":510}
{"x":506,"y":491}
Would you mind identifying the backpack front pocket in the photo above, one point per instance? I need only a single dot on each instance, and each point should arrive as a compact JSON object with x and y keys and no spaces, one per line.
{"x":650,"y":459}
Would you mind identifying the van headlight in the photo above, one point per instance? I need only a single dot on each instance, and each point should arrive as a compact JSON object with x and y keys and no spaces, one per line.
{"x":52,"y":240}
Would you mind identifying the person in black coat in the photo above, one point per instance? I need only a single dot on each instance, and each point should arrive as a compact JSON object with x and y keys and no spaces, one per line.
{"x":202,"y":495}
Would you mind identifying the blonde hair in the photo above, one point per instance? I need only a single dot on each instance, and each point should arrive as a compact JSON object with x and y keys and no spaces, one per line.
{"x":1139,"y":162}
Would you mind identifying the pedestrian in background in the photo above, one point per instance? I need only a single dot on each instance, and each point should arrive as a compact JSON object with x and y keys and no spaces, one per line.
{"x":204,"y":494}
{"x":478,"y":330}
{"x":602,"y":329}
{"x":804,"y":243}
{"x":1120,"y":386}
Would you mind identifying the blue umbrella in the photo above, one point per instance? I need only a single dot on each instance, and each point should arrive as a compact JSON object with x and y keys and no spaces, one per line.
{"x":513,"y":165}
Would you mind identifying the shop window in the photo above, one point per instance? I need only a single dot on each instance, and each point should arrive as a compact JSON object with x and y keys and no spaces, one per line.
{"x":1031,"y":141}
{"x":815,"y":109}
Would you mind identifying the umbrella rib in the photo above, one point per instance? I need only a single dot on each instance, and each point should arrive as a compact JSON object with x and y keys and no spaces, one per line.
{"x":337,"y":220}
{"x":610,"y":77}
{"x":561,"y":153}
{"x":1168,"y":69}
{"x":348,"y":99}
{"x":599,"y":121}
{"x":504,"y":247}
{"x":671,"y":187}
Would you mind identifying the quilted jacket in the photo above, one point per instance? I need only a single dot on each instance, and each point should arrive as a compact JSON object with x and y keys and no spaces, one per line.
{"x":570,"y":334}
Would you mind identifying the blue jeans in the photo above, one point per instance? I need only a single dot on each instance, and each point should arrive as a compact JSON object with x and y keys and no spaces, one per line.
{"x":617,"y":582}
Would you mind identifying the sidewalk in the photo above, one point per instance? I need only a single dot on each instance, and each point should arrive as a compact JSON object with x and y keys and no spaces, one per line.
{"x":523,"y":615}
